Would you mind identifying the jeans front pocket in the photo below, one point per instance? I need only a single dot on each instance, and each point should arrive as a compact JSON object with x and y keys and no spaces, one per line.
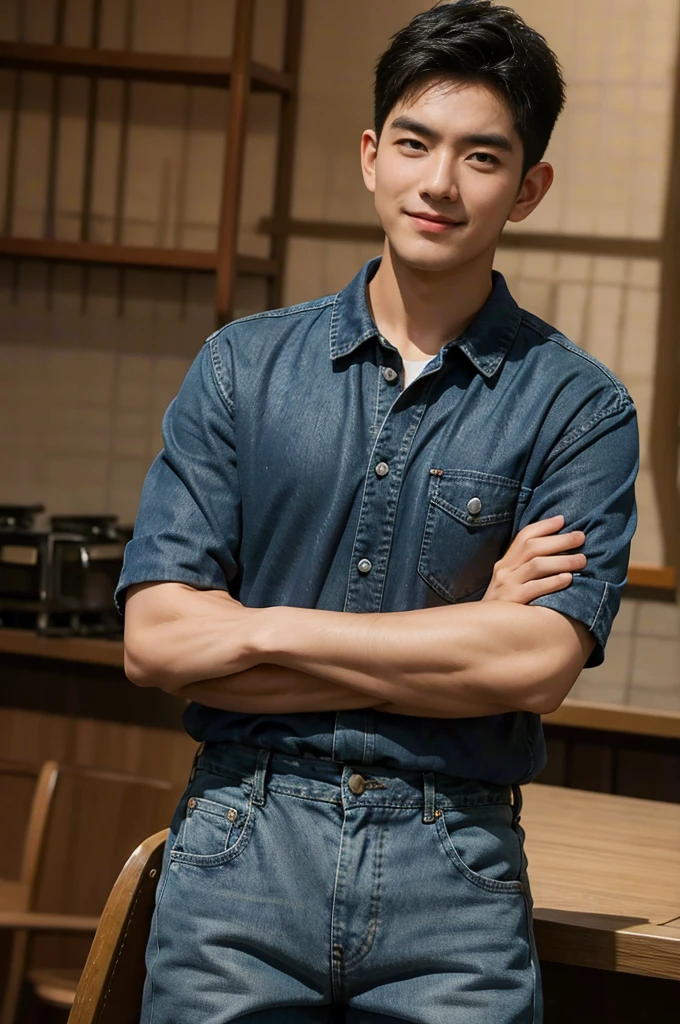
{"x":484,"y":846}
{"x":468,"y":529}
{"x":217,"y":822}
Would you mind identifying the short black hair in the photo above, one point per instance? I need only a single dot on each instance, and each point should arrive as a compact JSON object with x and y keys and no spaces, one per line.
{"x":477,"y":41}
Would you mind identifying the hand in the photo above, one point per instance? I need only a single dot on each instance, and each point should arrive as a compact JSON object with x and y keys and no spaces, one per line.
{"x":535,"y":563}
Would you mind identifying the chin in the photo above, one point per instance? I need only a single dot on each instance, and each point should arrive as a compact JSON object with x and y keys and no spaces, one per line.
{"x":428,"y":258}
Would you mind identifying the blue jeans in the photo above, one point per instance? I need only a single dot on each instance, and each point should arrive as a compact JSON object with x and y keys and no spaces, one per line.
{"x":302,"y":889}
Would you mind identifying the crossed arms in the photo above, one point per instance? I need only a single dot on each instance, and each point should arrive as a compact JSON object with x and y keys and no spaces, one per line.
{"x":483,"y":658}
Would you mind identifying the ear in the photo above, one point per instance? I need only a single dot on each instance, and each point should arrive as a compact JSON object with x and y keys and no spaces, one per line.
{"x":537,"y":181}
{"x":369,"y":152}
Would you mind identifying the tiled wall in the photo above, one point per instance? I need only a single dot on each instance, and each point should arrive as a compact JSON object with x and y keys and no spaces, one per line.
{"x":90,"y":358}
{"x":642,"y":663}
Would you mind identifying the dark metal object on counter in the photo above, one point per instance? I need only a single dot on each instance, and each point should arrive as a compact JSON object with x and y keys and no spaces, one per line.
{"x":60,"y":581}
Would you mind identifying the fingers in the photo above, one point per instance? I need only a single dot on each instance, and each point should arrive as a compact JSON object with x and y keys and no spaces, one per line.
{"x":540,"y":539}
{"x":539,"y":588}
{"x":554,"y":545}
{"x":541,"y":528}
{"x":539,"y":568}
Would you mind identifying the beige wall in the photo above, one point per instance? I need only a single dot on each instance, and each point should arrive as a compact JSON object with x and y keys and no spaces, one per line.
{"x":90,"y":358}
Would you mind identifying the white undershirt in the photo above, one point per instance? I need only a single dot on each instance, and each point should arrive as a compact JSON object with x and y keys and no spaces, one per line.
{"x":413,"y":368}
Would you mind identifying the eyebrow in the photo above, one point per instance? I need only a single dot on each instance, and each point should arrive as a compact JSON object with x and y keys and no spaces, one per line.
{"x":494,"y":140}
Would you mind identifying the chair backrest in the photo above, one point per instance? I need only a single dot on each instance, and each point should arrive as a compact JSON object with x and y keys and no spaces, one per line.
{"x":111,"y":985}
{"x":95,"y":819}
{"x":27,"y":789}
{"x":82,"y":825}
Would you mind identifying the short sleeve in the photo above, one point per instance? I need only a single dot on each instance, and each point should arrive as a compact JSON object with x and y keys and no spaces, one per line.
{"x":589,"y":479}
{"x":188,"y":526}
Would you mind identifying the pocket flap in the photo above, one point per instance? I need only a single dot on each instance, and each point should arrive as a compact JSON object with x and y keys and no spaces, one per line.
{"x":474,"y":498}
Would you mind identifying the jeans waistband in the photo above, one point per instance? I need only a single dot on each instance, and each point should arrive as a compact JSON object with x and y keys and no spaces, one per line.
{"x":342,"y":783}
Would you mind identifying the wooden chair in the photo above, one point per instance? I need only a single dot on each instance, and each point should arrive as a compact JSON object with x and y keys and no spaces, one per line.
{"x":110,"y":989}
{"x":82,"y":825}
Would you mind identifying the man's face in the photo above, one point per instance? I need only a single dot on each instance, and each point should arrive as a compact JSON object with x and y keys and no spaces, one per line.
{"x":446,"y":174}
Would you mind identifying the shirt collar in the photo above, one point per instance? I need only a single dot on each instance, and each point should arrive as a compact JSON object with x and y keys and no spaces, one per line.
{"x":486,"y":341}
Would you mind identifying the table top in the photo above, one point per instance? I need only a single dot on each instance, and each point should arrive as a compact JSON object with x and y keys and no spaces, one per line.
{"x":605,"y":877}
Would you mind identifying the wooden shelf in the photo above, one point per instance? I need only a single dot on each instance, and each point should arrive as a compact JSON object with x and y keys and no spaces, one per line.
{"x":83,"y":649}
{"x":657,"y":577}
{"x":129,"y":255}
{"x":174,"y":69}
{"x":639,"y":721}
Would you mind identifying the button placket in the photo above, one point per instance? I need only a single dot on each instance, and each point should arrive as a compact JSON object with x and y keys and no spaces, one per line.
{"x":377,"y":515}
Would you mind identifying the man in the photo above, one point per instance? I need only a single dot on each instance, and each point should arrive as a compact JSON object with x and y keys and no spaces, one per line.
{"x":357,"y":555}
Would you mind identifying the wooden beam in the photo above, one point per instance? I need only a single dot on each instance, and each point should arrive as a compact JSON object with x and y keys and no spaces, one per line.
{"x":285,"y":155}
{"x":115,"y":255}
{"x":588,"y":245}
{"x":663,"y":440}
{"x":175,"y":69}
{"x":234,"y":157}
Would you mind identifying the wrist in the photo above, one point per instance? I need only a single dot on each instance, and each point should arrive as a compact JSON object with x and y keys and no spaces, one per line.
{"x":267,"y":634}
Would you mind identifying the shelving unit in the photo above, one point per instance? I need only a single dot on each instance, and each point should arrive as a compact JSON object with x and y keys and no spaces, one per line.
{"x":241,"y":76}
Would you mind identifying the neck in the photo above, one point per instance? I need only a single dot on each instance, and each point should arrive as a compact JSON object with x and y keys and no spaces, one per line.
{"x":420,"y":311}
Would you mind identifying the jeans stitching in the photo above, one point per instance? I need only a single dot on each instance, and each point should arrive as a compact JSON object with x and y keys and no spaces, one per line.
{"x":376,"y":892}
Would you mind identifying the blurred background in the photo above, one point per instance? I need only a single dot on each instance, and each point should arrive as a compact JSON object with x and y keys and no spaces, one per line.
{"x":167,"y":165}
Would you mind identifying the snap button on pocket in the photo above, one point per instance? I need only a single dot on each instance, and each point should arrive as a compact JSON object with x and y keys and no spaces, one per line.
{"x":232,"y":815}
{"x":192,"y":803}
{"x":474,"y":506}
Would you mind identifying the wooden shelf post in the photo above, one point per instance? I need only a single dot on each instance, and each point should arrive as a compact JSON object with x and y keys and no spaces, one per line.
{"x":244,"y":21}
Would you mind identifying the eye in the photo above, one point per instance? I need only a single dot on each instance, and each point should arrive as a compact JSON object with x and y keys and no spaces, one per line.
{"x":411,"y":144}
{"x":487,"y":158}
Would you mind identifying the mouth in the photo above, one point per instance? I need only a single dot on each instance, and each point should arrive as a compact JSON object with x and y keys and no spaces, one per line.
{"x":426,"y":222}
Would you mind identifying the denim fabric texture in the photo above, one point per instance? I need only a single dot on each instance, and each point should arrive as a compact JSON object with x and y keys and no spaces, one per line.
{"x":287,"y":897}
{"x":268,"y":487}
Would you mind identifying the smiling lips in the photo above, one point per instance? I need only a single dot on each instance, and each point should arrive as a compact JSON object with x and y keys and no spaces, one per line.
{"x":427,"y":222}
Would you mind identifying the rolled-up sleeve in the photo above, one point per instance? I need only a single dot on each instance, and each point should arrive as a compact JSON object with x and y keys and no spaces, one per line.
{"x":188,"y":526}
{"x":589,"y":479}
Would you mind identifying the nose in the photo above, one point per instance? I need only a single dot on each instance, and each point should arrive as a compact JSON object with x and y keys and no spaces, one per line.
{"x":439,"y":181}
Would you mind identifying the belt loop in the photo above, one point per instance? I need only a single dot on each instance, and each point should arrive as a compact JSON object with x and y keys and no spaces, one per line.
{"x":258,"y":779}
{"x":516,"y":803}
{"x":428,"y":798}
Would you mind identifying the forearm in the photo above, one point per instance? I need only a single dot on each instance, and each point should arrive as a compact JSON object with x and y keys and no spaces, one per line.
{"x":495,"y":653}
{"x":271,"y":689}
{"x":176,"y":635}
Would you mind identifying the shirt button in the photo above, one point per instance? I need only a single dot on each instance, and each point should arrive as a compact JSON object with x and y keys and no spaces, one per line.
{"x":474,"y":506}
{"x":389,"y":374}
{"x":364,"y":565}
{"x":382,"y":469}
{"x":357,"y":784}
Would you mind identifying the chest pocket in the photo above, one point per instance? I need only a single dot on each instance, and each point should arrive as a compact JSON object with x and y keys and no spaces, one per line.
{"x":468,"y":528}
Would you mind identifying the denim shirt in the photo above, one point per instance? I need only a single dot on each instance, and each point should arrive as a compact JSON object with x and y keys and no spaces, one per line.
{"x":296,"y":471}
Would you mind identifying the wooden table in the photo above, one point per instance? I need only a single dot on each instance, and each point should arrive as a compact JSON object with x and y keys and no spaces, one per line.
{"x":605,"y":878}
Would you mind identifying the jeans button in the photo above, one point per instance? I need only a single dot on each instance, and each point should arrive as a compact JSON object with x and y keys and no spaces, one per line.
{"x":364,"y":565}
{"x":357,"y":784}
{"x":389,"y":374}
{"x":382,"y":469}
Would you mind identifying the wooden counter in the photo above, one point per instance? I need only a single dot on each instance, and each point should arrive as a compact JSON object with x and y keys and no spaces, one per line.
{"x":81,"y":649}
{"x":605,"y":878}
